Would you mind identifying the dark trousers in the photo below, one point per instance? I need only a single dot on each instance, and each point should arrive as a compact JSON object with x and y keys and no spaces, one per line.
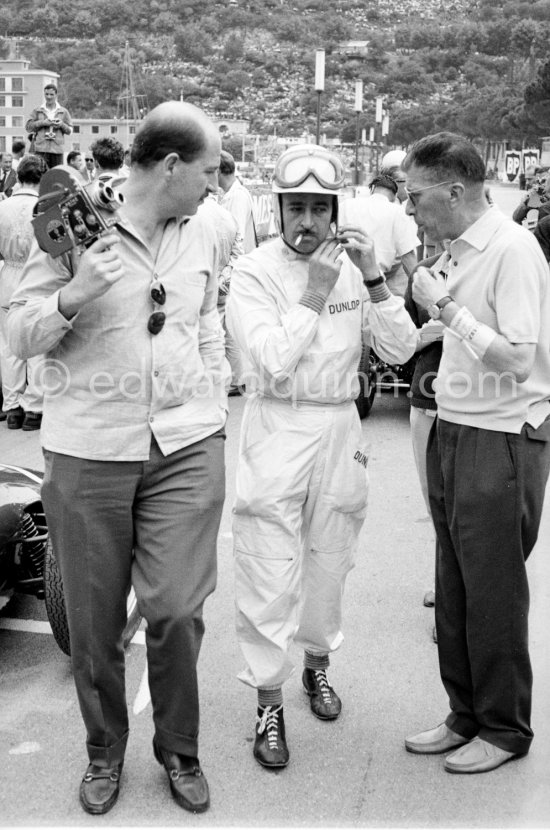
{"x":486,"y":495}
{"x":155,"y":524}
{"x":51,"y":159}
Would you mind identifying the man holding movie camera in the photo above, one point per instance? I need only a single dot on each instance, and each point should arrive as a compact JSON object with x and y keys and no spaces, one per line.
{"x":133,"y":441}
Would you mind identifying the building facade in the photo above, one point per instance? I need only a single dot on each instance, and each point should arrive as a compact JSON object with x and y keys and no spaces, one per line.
{"x":21,"y":90}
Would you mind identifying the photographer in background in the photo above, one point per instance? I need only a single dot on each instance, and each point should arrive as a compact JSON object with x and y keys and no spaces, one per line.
{"x":536,"y":199}
{"x":50,"y":123}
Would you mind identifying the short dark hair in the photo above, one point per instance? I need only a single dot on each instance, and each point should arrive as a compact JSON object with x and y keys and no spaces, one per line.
{"x":51,"y":86}
{"x":108,"y":153}
{"x":447,"y":154}
{"x":31,"y":168}
{"x":17,"y":146}
{"x":72,"y":155}
{"x":227,"y":163}
{"x":157,"y":138}
{"x":385,"y":180}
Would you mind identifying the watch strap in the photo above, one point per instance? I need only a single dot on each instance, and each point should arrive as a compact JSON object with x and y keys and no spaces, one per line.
{"x":378,"y":281}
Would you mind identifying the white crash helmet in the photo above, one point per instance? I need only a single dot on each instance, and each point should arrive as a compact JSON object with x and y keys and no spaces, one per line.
{"x":306,"y":168}
{"x":393,"y":158}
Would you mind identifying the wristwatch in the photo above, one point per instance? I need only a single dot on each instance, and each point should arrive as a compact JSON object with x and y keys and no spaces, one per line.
{"x":435,"y":309}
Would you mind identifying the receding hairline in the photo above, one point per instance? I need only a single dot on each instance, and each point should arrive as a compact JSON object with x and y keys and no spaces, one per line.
{"x":181,"y":114}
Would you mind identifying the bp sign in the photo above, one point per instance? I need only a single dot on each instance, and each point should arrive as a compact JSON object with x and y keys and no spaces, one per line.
{"x":513,"y":164}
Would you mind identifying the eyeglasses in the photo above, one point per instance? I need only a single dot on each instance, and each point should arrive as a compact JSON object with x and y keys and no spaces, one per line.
{"x":412,"y":194}
{"x":294,"y":167}
{"x":156,"y":321}
{"x":88,"y":159}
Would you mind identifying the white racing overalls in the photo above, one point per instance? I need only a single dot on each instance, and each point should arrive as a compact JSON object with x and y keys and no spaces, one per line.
{"x":302,"y":479}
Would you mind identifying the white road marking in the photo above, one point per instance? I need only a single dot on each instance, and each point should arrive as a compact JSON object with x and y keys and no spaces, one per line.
{"x":26,"y":748}
{"x":24,"y":471}
{"x":143,"y":697}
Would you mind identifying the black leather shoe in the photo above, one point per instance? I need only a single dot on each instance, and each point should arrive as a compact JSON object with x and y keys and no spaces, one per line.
{"x":323,"y":700}
{"x":270,"y":749}
{"x":15,"y":418}
{"x":187,"y":781}
{"x":32,"y":420}
{"x":429,"y":599}
{"x":99,"y":788}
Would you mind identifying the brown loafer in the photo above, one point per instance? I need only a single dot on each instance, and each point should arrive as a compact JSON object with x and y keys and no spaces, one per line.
{"x":99,"y":788}
{"x":187,"y":781}
{"x":477,"y":756}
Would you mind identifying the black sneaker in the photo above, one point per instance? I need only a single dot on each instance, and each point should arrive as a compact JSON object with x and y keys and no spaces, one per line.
{"x":323,"y":700}
{"x":270,"y":749}
{"x":15,"y":418}
{"x":32,"y":420}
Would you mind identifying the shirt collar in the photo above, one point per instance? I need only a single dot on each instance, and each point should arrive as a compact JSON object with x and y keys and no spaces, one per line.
{"x":480,"y":232}
{"x":25,"y":191}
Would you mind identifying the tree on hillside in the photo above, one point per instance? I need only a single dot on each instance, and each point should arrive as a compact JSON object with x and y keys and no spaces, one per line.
{"x":528,"y":39}
{"x":191,"y":44}
{"x":537,"y":98}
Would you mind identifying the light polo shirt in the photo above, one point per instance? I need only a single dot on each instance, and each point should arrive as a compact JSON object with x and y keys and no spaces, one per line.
{"x":108,"y":382}
{"x":385,"y":222}
{"x":497,"y":270}
{"x":238,"y":202}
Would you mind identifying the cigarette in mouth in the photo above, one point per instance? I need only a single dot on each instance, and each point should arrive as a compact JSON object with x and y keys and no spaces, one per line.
{"x":298,"y":239}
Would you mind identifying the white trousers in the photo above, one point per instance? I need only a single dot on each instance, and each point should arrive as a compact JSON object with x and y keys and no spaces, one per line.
{"x":21,"y":384}
{"x":232,"y":352}
{"x":302,"y":487}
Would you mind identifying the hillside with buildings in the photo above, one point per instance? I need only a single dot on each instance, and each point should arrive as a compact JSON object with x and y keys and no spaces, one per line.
{"x":463,"y":64}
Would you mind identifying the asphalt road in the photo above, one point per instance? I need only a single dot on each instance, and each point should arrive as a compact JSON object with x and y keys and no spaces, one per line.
{"x":353,"y":772}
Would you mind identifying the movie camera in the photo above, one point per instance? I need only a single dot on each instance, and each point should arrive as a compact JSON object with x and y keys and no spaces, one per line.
{"x":71,"y":215}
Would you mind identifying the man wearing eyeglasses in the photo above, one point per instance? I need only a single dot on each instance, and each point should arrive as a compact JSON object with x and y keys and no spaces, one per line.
{"x":133,"y":443}
{"x":89,"y":171}
{"x":298,"y":308}
{"x":488,"y":454}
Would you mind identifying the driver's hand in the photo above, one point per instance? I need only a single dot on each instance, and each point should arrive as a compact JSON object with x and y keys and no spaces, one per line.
{"x":324,"y":268}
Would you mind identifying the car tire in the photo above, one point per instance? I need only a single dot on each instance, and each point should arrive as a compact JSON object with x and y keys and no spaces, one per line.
{"x":57,"y":611}
{"x":368,"y":381}
{"x":55,"y":601}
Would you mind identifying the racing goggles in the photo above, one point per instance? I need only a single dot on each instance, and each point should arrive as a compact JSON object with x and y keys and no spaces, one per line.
{"x":295,"y":166}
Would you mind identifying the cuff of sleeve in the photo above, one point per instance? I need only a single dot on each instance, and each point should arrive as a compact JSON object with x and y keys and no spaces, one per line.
{"x":313,"y":300}
{"x":50,"y":311}
{"x":379,"y":292}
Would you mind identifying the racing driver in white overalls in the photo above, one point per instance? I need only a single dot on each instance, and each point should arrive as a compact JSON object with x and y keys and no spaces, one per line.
{"x":299,"y":307}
